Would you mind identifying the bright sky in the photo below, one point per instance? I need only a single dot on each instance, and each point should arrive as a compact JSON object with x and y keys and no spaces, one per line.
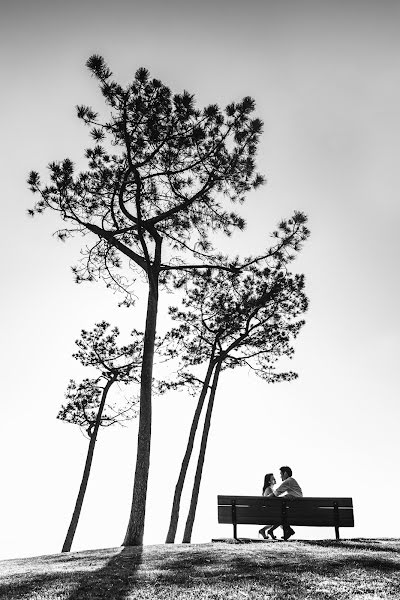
{"x":325,"y":76}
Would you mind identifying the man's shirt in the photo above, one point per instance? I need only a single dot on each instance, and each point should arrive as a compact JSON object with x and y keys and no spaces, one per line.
{"x":290,"y":486}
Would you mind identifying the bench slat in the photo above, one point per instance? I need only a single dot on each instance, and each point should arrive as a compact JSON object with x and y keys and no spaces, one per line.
{"x":308,"y":501}
{"x":319,"y":517}
{"x":308,"y":522}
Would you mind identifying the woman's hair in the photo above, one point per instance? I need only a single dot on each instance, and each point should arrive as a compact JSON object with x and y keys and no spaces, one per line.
{"x":267,"y":481}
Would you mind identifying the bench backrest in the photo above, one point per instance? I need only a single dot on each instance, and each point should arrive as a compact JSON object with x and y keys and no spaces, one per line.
{"x":258,"y":510}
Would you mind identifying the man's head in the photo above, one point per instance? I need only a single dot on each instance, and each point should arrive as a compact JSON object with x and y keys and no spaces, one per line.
{"x":285,"y":472}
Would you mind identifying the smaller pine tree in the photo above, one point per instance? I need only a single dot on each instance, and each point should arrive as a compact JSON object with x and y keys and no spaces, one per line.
{"x":87,"y":402}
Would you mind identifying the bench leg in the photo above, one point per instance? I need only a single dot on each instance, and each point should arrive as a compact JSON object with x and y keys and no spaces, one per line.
{"x":234,"y":520}
{"x":336,"y":515}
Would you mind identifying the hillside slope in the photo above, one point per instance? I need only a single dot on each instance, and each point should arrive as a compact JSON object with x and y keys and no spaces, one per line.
{"x":362,"y":568}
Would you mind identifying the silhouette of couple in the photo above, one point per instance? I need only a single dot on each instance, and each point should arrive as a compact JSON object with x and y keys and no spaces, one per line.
{"x":290,"y":488}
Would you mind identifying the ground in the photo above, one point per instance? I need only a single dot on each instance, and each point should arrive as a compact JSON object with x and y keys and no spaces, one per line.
{"x":359,"y":568}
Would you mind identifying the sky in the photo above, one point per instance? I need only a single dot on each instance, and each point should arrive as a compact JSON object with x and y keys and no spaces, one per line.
{"x":325,"y":77}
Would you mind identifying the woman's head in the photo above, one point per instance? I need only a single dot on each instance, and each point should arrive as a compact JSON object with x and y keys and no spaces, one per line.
{"x":269,"y":479}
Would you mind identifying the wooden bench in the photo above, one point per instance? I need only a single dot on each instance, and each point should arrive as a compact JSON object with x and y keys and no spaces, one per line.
{"x":312,"y":512}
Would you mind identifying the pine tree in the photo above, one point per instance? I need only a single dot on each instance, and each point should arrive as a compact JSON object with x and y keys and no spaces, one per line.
{"x":230,"y":320}
{"x":87,"y":404}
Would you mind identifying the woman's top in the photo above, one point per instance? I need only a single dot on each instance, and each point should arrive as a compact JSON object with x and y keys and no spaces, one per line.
{"x":268,"y":490}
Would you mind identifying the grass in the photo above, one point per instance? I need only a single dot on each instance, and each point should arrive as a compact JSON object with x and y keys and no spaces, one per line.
{"x":309,"y":570}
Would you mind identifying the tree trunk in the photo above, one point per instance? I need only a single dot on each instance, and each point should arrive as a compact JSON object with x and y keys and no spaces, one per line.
{"x":185,"y":462}
{"x":135,"y":529}
{"x":86,"y":472}
{"x":196,"y":485}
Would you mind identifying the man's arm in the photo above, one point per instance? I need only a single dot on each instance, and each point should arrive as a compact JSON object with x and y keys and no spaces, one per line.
{"x":280,"y":489}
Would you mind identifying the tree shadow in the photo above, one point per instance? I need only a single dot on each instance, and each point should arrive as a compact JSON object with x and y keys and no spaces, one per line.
{"x":114,"y":580}
{"x":364,"y":544}
{"x":78,"y":573}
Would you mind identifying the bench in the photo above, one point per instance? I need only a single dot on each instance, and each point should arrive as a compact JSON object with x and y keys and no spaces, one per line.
{"x":312,"y":512}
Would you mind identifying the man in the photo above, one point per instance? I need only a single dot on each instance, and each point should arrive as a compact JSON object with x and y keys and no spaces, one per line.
{"x":291,"y":489}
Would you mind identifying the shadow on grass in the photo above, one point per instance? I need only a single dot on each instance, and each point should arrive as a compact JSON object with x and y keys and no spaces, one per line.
{"x":363,"y":544}
{"x":283,"y":571}
{"x":114,"y":580}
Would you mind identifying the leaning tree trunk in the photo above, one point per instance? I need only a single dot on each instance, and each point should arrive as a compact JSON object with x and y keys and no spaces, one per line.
{"x":135,"y":529}
{"x":196,"y":485}
{"x":185,"y":462}
{"x":86,"y":472}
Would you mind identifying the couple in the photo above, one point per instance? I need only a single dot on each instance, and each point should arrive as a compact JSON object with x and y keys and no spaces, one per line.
{"x":290,"y":488}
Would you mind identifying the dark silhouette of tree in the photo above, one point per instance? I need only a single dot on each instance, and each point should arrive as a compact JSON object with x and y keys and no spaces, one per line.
{"x":159,"y":176}
{"x":230,"y":320}
{"x":87,"y":404}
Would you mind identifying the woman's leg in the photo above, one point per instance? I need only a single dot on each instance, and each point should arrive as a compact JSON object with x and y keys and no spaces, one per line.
{"x":271,"y":530}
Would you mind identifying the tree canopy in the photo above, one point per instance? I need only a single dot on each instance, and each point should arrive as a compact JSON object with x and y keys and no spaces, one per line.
{"x":159,"y":169}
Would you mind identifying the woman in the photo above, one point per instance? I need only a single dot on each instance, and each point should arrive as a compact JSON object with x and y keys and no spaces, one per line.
{"x":269,"y":482}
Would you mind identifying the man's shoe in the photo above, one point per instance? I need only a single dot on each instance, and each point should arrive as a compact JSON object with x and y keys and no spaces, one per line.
{"x":271,"y":534}
{"x":288,"y":532}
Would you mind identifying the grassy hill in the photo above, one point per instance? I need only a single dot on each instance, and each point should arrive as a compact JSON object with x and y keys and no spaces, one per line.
{"x":358,"y":568}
